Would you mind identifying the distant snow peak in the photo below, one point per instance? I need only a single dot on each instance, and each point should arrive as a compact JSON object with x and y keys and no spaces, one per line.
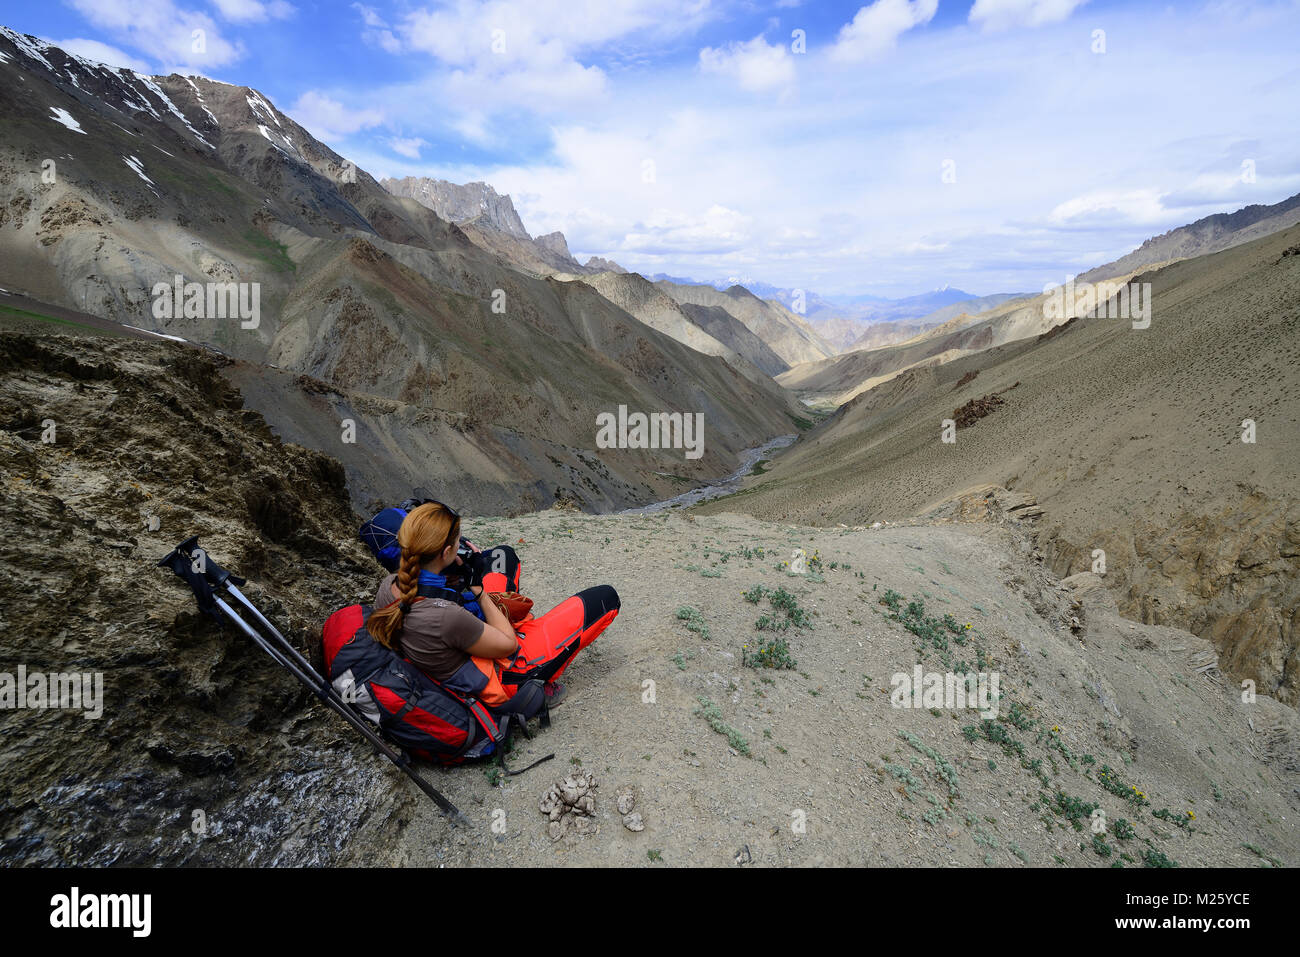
{"x":64,"y":117}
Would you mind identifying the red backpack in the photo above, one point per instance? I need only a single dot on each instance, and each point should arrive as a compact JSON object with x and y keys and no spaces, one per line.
{"x":418,"y":714}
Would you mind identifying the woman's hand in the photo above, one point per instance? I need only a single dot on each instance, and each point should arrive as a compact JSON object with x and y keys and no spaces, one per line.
{"x":499,"y":639}
{"x":477,"y":590}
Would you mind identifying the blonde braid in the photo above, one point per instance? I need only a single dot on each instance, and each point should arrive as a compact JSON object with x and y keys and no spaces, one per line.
{"x":408,"y":577}
{"x":385,"y":624}
{"x":425,"y":531}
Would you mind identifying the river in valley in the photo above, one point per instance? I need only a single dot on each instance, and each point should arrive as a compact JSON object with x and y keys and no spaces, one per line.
{"x":726,"y":486}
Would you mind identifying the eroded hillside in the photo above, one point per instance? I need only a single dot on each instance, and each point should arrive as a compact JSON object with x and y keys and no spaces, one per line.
{"x":1131,"y":442}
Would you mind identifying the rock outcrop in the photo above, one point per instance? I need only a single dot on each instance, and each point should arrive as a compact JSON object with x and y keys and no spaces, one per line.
{"x":461,"y":203}
{"x":600,"y":264}
{"x":205,"y":751}
{"x":555,"y":243}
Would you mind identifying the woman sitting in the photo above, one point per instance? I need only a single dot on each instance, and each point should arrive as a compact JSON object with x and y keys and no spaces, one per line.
{"x":465,"y":641}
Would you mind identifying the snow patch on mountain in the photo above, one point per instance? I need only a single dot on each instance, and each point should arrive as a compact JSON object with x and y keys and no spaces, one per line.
{"x":203,"y":106}
{"x":160,"y":335}
{"x":64,"y":117}
{"x":260,"y":106}
{"x":28,"y":46}
{"x":166,"y":100}
{"x":267,"y":133}
{"x":135,"y":164}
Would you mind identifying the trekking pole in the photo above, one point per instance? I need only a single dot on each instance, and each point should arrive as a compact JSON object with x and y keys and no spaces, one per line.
{"x":340,"y":707}
{"x":221,"y":578}
{"x":181,"y":561}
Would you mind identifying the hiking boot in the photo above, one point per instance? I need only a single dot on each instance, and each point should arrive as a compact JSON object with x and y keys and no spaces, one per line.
{"x":554,"y":693}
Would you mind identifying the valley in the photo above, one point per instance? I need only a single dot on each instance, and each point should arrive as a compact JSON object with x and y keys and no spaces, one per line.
{"x":1082,"y":499}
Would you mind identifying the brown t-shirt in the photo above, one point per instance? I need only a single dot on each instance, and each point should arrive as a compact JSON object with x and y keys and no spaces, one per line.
{"x":435,"y":632}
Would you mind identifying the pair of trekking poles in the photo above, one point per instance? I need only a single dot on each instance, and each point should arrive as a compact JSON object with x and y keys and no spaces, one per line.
{"x":215,"y":589}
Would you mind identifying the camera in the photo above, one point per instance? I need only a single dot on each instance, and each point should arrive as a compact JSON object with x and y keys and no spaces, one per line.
{"x":470,"y":571}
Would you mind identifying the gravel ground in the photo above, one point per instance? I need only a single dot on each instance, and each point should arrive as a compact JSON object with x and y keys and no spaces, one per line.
{"x":836,"y":775}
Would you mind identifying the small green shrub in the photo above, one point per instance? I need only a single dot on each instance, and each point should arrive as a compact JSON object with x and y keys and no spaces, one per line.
{"x":768,"y":653}
{"x":1153,"y":858}
{"x":713,"y":716}
{"x":1109,"y":778}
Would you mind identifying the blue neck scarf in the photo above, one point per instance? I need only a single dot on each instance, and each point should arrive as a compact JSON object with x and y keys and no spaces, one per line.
{"x":440,"y":581}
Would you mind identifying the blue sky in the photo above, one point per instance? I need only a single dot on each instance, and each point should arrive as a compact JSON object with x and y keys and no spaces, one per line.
{"x":888,"y":148}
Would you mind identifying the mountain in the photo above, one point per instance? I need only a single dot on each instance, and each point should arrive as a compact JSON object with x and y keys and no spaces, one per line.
{"x":837,"y":380}
{"x":830,"y":321}
{"x":476,"y":203}
{"x":878,"y":334}
{"x":785,"y":333}
{"x":385,"y":335}
{"x":1207,"y":235}
{"x":491,"y":222}
{"x":976,"y":323}
{"x":910,"y":307}
{"x":597,"y":264}
{"x":679,"y":280}
{"x":842,"y":332}
{"x":1121,"y":439}
{"x":863,"y":321}
{"x":556,"y":243}
{"x":870,"y":322}
{"x":647,"y":302}
{"x":734,"y":334}
{"x":757,"y":674}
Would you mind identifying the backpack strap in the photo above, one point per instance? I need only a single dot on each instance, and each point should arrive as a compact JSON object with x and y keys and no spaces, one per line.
{"x":528,"y":768}
{"x":447,"y":594}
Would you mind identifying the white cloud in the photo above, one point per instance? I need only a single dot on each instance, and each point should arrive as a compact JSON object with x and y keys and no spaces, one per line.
{"x":755,"y":64}
{"x":876,"y":28}
{"x":164,"y":30}
{"x":408,"y":147}
{"x":914,"y":248}
{"x":103,"y":53}
{"x":717,"y":229}
{"x":254,"y":11}
{"x":505,"y":55}
{"x":329,"y":119}
{"x":1138,"y":206}
{"x":369,"y":16}
{"x":1003,"y":14}
{"x":378,"y":31}
{"x":837,"y":188}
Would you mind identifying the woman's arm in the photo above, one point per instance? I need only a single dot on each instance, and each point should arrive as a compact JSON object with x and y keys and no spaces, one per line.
{"x":498,"y":639}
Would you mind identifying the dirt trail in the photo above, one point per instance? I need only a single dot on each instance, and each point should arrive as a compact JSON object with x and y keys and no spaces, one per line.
{"x":872,"y":784}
